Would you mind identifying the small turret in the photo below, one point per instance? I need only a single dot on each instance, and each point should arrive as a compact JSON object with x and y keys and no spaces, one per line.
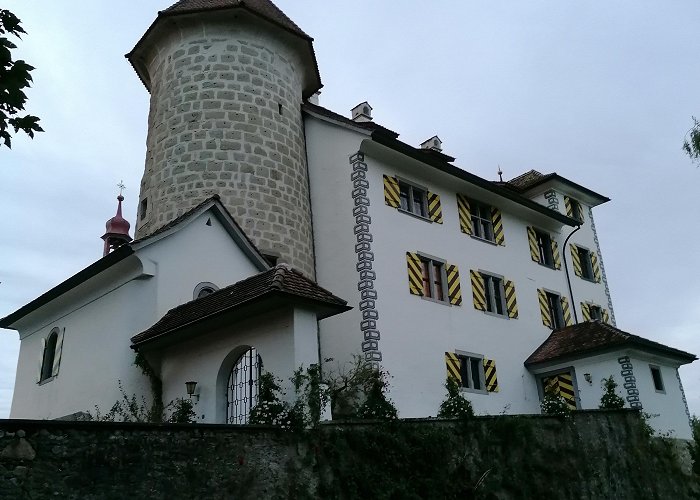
{"x":117,"y":230}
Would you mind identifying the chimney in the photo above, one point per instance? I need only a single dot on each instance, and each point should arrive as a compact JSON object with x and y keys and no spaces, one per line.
{"x":362,"y":112}
{"x":433,"y":143}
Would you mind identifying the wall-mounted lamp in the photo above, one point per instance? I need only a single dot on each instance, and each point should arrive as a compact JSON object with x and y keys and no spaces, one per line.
{"x":191,"y":386}
{"x":588,"y":378}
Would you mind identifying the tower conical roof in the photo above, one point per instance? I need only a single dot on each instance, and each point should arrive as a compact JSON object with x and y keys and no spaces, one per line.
{"x":263,"y":8}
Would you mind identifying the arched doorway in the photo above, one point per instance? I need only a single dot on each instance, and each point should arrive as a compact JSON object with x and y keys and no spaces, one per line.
{"x":243,"y":386}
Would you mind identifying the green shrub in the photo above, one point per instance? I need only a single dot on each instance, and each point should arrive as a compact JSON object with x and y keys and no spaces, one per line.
{"x":554,"y":404}
{"x":610,"y":400}
{"x":455,"y":406}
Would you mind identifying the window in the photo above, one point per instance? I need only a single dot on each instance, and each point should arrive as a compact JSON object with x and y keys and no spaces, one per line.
{"x":471,"y":370}
{"x":656,"y":377}
{"x":493,"y":289}
{"x":544,"y":248}
{"x":482,"y":223}
{"x":433,"y":279}
{"x":203,"y":289}
{"x":143,"y":209}
{"x":595,"y":312}
{"x":573,"y":208}
{"x":49,"y":355}
{"x":413,"y":199}
{"x":584,"y":257}
{"x":556,"y":315}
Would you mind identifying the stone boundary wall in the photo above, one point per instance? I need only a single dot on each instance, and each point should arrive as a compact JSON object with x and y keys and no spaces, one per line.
{"x":593,"y":454}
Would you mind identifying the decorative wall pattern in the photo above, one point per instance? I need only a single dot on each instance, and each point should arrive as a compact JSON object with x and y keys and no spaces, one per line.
{"x":365,"y":259}
{"x":552,"y":199}
{"x":630,"y":384}
{"x":685,"y":401}
{"x":602,"y":268}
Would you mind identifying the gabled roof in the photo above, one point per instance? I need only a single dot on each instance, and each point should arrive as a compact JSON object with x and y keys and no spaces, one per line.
{"x":264,"y":8}
{"x":593,"y":337}
{"x":281,"y":280}
{"x":213,"y":203}
{"x":533,"y":178}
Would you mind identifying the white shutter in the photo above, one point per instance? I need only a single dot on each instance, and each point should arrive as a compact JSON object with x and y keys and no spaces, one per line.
{"x":57,"y":354}
{"x":41,"y":359}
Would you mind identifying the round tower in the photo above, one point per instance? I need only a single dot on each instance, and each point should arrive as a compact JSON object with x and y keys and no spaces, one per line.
{"x":227,"y":79}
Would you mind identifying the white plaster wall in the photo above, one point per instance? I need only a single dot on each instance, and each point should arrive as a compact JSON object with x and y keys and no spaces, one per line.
{"x":285,"y":339}
{"x":194,"y":254}
{"x":415,"y":333}
{"x":95,"y":356}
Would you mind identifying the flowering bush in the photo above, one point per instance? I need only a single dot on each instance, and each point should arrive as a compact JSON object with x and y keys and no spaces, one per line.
{"x":554,"y":404}
{"x":610,"y":400}
{"x":377,"y":405}
{"x":455,"y":406}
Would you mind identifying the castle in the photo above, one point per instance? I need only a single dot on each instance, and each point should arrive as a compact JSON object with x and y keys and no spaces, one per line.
{"x":275,"y":233}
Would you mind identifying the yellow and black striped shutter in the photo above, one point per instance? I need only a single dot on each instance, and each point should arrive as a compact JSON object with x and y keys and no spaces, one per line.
{"x":544,"y":308}
{"x":490,"y":375}
{"x":567,"y":205}
{"x":434,"y":207}
{"x":585,"y":311}
{"x":596,"y":266}
{"x":555,"y":255}
{"x":561,"y":385}
{"x":415,"y":273}
{"x":534,"y":247}
{"x":465,"y":216}
{"x":478,"y":290}
{"x":511,"y":303}
{"x":576,"y":260}
{"x":497,"y":221}
{"x":391,"y":192}
{"x":453,"y":367}
{"x":453,"y":288}
{"x":566,"y":311}
{"x":566,"y":389}
{"x":606,"y":316}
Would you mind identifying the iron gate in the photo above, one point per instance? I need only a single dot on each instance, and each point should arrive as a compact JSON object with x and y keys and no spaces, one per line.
{"x":243,"y":386}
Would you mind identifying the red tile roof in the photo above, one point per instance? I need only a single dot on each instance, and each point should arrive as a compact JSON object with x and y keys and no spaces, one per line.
{"x":281,"y":280}
{"x":591,"y":337}
{"x":263,"y":8}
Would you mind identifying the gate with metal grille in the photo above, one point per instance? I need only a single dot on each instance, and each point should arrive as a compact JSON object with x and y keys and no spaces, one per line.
{"x":243,"y":386}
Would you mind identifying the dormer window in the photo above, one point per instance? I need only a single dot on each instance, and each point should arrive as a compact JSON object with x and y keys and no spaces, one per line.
{"x":203,"y":289}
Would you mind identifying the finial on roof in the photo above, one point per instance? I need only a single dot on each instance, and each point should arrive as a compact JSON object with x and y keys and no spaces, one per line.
{"x":117,"y":228}
{"x":500,"y":173}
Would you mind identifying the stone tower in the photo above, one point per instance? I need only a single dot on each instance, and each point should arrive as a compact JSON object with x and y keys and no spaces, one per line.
{"x":227,"y":79}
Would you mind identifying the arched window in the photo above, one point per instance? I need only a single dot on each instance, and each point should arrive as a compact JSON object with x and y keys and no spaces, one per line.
{"x":49,"y":355}
{"x":203,"y":289}
{"x":242,"y":388}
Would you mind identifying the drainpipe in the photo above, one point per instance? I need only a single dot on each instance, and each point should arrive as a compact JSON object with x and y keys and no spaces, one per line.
{"x":568,"y":278}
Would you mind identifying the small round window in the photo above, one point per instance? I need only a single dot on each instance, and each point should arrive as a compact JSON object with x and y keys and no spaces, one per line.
{"x":203,"y":289}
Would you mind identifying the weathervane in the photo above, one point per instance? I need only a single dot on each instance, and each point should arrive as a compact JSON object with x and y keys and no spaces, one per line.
{"x":121,"y":187}
{"x":500,"y":173}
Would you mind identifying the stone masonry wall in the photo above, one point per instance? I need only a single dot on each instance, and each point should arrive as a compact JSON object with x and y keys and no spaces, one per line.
{"x":225,"y":118}
{"x":591,"y":455}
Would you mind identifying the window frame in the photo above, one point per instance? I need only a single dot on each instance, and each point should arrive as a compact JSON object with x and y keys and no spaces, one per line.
{"x":411,"y":203}
{"x":584,"y":257}
{"x":49,"y":356}
{"x":465,"y":370}
{"x":489,"y":294}
{"x":545,"y":250}
{"x":576,"y":210}
{"x":479,"y":221}
{"x":657,"y":368}
{"x":433,"y":263}
{"x":556,"y":317}
{"x":599,"y":309}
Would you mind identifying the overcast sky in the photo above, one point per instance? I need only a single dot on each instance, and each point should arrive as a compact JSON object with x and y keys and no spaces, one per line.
{"x":600,"y":92}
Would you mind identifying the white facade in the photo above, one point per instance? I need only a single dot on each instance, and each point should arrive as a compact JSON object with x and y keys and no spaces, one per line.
{"x":361,"y":243}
